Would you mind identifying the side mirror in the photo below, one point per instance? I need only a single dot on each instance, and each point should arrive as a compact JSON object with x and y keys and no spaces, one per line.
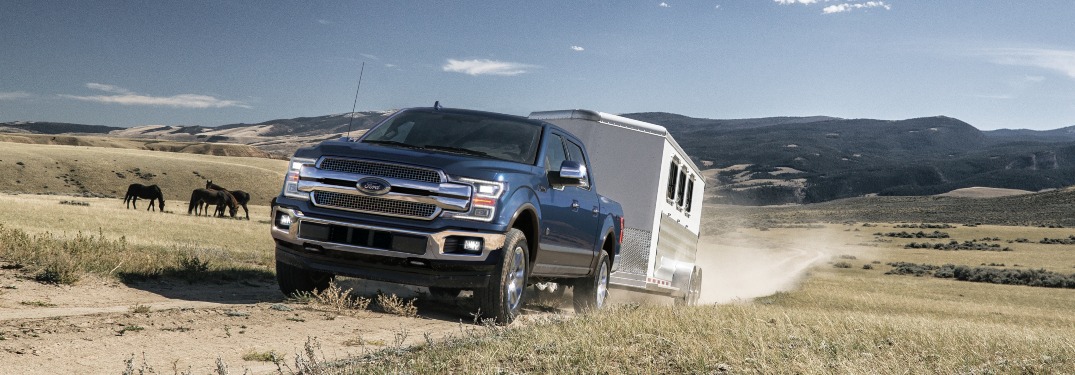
{"x":572,"y":173}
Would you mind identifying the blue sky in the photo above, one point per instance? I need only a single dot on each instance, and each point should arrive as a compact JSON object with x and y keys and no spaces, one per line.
{"x":994,"y":64}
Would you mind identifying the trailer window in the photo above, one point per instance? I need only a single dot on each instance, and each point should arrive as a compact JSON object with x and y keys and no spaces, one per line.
{"x":673,"y":170}
{"x":682,"y":185}
{"x":690,"y":195}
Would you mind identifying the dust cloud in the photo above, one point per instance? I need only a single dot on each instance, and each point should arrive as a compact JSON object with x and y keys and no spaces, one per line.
{"x":747,"y":264}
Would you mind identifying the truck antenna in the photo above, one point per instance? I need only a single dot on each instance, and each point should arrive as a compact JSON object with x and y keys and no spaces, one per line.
{"x":355,"y":104}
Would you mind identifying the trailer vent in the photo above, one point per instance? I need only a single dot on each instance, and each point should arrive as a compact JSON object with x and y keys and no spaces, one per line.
{"x":634,"y":253}
{"x":371,"y":168}
{"x":374,"y":205}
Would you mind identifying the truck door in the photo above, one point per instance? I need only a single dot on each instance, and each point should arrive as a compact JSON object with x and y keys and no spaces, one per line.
{"x":564,"y":217}
{"x":589,"y":210}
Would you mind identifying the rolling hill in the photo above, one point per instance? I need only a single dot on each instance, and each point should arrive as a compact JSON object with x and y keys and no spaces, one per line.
{"x":773,"y":160}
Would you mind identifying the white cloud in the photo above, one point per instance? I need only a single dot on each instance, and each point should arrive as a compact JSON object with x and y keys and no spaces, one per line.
{"x":1034,"y":78}
{"x":847,"y":7}
{"x":369,"y":56}
{"x":1061,"y":61}
{"x":664,"y":5}
{"x":127,"y":97}
{"x":389,"y":65}
{"x":841,"y":7}
{"x":14,"y":95}
{"x":108,"y":88}
{"x":577,"y":48}
{"x":486,"y":67}
{"x":324,"y":22}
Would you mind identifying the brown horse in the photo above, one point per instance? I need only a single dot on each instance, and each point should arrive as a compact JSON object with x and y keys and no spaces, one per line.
{"x":220,"y":198}
{"x":151,"y":192}
{"x":241,"y":197}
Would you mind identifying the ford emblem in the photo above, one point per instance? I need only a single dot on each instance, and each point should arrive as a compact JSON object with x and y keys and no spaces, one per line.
{"x":373,"y":186}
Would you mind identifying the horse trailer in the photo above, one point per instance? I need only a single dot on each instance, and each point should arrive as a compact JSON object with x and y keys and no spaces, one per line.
{"x":641,"y":166}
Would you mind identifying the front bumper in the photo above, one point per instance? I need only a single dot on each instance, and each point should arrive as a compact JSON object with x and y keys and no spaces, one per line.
{"x":383,"y":253}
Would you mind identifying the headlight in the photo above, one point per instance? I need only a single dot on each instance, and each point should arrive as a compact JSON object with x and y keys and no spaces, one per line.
{"x":291,"y":180}
{"x":482,"y":201}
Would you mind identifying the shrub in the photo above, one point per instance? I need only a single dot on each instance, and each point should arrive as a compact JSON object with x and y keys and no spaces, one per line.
{"x":842,"y":265}
{"x":394,"y":305}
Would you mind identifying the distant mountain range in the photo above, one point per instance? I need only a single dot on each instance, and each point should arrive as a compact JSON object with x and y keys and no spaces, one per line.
{"x":772,"y":160}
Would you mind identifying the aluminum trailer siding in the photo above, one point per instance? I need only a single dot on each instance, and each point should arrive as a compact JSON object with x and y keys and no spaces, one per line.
{"x":641,"y":166}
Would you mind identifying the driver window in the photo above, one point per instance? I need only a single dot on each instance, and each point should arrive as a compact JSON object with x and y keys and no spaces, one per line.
{"x":554,"y":153}
{"x":575,"y":154}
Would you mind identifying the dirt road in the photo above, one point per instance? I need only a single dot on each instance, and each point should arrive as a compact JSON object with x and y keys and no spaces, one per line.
{"x":95,"y":325}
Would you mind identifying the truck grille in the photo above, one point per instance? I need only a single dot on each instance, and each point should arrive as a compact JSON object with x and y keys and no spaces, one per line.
{"x":374,"y":205}
{"x":380,"y":169}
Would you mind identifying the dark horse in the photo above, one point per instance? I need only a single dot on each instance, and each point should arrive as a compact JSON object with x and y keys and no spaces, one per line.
{"x":151,"y":192}
{"x":241,"y":197}
{"x":220,"y":198}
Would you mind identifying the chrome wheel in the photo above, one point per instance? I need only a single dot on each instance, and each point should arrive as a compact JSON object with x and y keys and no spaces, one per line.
{"x":513,"y":289}
{"x":602,"y":286}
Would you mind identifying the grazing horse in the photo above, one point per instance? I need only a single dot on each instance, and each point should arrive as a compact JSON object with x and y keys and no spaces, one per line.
{"x":241,"y":197}
{"x":151,"y":192}
{"x":220,"y":198}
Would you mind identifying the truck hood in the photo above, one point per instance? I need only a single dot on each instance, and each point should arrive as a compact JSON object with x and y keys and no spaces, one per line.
{"x":453,"y":164}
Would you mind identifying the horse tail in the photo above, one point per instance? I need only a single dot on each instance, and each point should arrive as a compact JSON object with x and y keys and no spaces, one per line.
{"x":194,"y":200}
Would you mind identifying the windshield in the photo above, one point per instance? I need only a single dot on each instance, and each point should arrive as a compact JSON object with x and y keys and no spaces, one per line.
{"x":468,"y":134}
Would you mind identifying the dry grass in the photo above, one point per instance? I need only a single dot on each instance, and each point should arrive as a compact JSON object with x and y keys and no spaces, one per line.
{"x":392,"y":304}
{"x":839,"y":320}
{"x":335,"y":299}
{"x":62,"y":242}
{"x":106,"y":172}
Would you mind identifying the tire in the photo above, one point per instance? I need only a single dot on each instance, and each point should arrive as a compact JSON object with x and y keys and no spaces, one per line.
{"x":502,"y":299}
{"x":297,"y":280}
{"x":444,"y":293}
{"x":591,"y":292}
{"x":694,"y":289}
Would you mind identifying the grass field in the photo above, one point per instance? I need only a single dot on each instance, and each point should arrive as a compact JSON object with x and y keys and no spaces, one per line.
{"x":844,"y":315}
{"x":106,"y":172}
{"x":838,"y":320}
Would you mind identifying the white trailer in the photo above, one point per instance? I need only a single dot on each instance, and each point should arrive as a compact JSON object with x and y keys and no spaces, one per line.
{"x":641,"y":166}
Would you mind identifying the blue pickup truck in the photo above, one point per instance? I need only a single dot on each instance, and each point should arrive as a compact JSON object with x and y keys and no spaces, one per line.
{"x":452,"y":200}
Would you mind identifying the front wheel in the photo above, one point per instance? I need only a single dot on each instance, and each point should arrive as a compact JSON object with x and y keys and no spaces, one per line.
{"x":591,"y":292}
{"x":297,"y":280}
{"x":502,"y":299}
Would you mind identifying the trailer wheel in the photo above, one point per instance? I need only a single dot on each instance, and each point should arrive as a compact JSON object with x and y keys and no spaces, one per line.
{"x":297,"y":280}
{"x":502,"y":299}
{"x":590,"y":292}
{"x":694,"y":291}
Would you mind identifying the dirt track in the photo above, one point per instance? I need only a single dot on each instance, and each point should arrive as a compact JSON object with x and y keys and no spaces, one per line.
{"x":92,"y":327}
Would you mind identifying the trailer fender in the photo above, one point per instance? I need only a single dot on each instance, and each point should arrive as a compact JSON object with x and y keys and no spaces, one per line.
{"x":681,"y":278}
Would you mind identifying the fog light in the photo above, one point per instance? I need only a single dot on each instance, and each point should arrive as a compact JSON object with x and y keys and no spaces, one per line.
{"x":472,"y":245}
{"x":284,"y":221}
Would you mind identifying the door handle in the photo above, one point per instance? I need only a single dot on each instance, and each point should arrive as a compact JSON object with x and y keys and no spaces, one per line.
{"x":574,"y":205}
{"x":596,"y":211}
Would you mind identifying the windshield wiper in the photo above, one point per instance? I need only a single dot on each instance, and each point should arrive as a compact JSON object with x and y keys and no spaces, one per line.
{"x":456,"y":149}
{"x":390,"y":143}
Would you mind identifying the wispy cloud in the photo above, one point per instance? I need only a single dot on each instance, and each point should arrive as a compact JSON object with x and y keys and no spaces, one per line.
{"x":1061,"y":61}
{"x":369,"y":56}
{"x":664,"y":5}
{"x":842,"y":7}
{"x":577,"y":48}
{"x":847,"y":7}
{"x":15,"y":95}
{"x":324,"y":22}
{"x":127,"y":97}
{"x":486,"y":67}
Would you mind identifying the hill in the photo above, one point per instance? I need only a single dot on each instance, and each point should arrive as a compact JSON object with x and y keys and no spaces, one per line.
{"x":773,"y":160}
{"x":817,"y":159}
{"x":107,"y":171}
